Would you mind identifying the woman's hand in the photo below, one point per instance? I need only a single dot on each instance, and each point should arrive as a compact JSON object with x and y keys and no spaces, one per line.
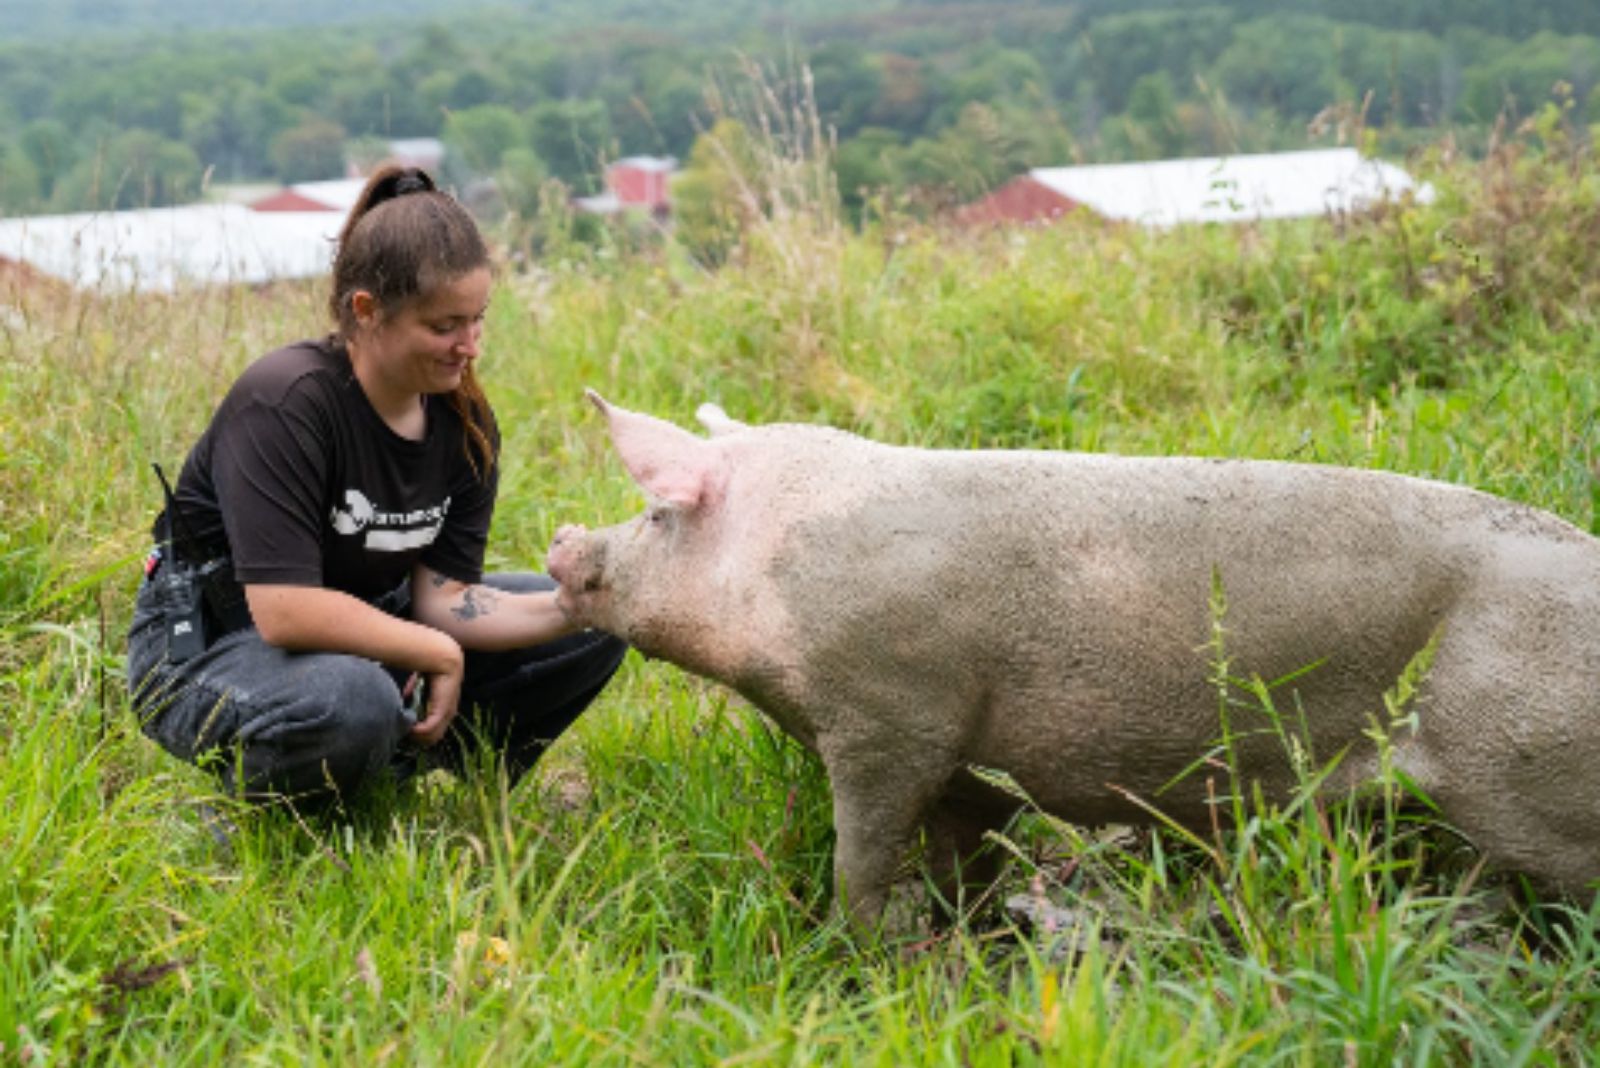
{"x":444,"y":697}
{"x":305,"y":618}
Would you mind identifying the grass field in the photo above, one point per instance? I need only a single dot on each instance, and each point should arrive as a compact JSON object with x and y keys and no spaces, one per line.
{"x":657,"y":893}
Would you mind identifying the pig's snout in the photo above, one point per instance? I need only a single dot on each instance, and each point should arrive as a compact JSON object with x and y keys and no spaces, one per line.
{"x":565,"y":549}
{"x":573,"y":561}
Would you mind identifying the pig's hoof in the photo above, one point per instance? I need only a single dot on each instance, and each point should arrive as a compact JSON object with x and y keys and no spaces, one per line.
{"x":1059,"y":932}
{"x":906,"y":914}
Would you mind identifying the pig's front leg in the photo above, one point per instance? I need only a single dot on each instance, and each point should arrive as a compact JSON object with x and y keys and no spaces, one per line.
{"x":880,"y":795}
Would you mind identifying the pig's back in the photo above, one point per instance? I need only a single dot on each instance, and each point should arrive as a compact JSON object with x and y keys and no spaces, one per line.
{"x":1168,"y":519}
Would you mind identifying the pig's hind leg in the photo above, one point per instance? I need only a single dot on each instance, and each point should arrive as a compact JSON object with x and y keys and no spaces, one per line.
{"x":1507,"y":745}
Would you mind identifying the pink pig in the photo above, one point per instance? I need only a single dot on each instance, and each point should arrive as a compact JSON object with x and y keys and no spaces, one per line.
{"x":910,"y":614}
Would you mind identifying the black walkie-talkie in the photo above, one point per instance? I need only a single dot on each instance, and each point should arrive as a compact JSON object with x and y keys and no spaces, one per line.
{"x":179,"y":584}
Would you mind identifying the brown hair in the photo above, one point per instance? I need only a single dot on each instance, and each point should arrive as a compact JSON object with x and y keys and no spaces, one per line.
{"x":403,"y":237}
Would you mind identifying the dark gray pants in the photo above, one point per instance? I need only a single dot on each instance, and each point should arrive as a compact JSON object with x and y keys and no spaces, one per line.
{"x":309,"y":725}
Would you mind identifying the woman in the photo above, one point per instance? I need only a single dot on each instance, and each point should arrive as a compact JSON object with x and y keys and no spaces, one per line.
{"x":318,"y":568}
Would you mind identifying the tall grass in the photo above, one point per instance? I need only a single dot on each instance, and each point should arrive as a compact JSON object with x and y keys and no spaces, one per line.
{"x":658,"y":891}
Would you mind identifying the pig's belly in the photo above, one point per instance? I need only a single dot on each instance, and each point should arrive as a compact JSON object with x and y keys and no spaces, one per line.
{"x":1114,"y":690}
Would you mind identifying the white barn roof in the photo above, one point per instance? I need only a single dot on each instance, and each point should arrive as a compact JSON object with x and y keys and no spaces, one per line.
{"x":1231,"y":188}
{"x":654,"y":164}
{"x":164,"y":249}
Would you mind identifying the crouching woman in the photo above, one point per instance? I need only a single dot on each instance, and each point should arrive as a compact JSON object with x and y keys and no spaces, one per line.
{"x":319,"y":563}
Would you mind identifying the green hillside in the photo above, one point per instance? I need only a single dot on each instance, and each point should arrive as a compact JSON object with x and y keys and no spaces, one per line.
{"x":658,"y":893}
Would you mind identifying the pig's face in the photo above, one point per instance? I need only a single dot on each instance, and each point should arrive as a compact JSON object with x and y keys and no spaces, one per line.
{"x":653,"y":580}
{"x":629,"y":579}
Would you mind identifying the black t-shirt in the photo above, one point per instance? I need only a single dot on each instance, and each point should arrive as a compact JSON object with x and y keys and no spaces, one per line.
{"x":300,"y":480}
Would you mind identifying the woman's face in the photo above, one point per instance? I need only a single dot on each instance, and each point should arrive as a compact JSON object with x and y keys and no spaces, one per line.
{"x":426,"y":345}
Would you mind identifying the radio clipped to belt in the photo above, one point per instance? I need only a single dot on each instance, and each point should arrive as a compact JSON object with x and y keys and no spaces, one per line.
{"x":200,"y":601}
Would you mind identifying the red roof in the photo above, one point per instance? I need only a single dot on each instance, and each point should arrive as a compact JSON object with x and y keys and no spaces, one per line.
{"x":1021,"y":200}
{"x":289,"y":200}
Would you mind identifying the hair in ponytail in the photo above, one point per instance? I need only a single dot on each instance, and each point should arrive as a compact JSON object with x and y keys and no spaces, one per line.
{"x":403,"y":237}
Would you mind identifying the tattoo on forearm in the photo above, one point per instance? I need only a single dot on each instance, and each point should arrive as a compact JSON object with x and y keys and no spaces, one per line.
{"x":476,"y":601}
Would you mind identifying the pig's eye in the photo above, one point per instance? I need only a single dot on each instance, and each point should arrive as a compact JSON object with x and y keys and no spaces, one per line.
{"x":657,"y":515}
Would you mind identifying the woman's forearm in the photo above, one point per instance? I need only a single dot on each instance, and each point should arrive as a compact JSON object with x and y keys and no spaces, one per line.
{"x":311,"y":618}
{"x":484,"y":618}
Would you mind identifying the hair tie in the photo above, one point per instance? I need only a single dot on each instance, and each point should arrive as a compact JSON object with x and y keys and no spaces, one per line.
{"x":411,"y":182}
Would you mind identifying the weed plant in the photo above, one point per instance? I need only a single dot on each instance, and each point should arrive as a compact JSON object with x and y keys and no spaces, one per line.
{"x":658,"y":891}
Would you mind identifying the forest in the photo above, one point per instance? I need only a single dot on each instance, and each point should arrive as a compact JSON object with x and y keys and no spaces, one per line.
{"x":136,"y":103}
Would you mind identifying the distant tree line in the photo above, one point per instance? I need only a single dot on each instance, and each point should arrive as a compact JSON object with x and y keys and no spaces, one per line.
{"x":925,"y":97}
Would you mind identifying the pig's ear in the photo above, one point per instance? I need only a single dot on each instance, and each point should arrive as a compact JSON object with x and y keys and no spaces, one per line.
{"x":668,"y":462}
{"x":716,"y":420}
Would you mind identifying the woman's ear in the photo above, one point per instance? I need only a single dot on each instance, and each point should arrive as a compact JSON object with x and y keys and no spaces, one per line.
{"x":364,"y":306}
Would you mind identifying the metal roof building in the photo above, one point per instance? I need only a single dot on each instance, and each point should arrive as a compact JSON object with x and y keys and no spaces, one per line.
{"x":1275,"y":185}
{"x":164,"y":249}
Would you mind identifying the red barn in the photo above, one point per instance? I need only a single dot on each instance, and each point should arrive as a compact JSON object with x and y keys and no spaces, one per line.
{"x":635,"y":184}
{"x":1024,"y":199}
{"x":338,"y":194}
{"x":288,"y":200}
{"x":641,"y":181}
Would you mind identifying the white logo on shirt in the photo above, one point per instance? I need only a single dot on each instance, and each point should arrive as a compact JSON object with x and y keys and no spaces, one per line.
{"x":358,"y":513}
{"x":388,"y":531}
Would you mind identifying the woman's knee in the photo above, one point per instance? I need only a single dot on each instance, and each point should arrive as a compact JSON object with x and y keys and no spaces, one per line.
{"x":338,"y":725}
